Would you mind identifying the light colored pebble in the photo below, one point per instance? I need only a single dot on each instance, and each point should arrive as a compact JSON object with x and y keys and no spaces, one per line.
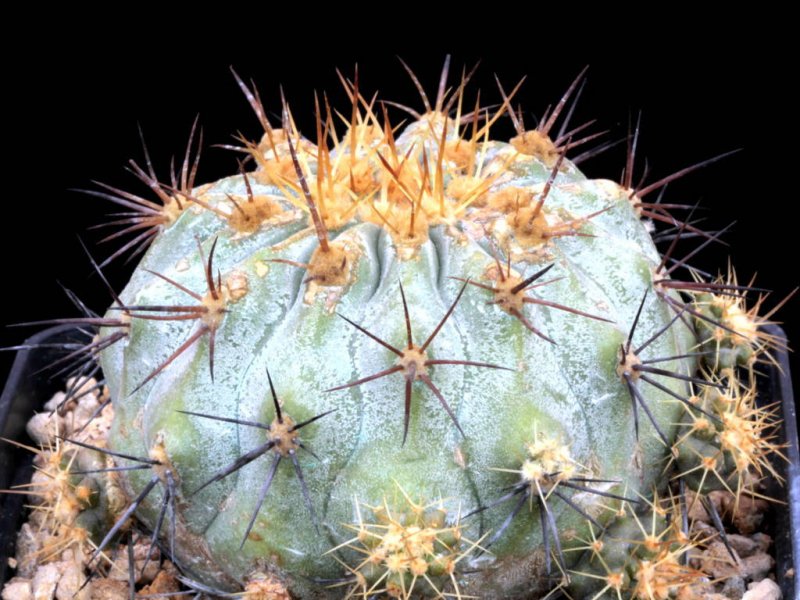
{"x":766,"y":589}
{"x":45,"y":581}
{"x":72,"y":578}
{"x":18,"y":588}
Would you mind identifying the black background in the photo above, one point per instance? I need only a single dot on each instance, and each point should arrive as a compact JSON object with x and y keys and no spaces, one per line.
{"x":75,"y":94}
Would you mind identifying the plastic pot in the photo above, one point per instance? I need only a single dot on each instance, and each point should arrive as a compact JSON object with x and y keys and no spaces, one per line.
{"x":26,"y":392}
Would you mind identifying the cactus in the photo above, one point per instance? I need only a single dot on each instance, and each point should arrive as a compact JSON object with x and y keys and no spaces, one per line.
{"x":415,"y":361}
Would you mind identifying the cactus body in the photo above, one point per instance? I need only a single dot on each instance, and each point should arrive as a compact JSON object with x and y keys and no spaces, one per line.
{"x":418,"y":219}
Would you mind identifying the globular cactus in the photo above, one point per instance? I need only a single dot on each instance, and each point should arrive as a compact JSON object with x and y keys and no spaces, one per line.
{"x":411,"y":361}
{"x":457,"y":302}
